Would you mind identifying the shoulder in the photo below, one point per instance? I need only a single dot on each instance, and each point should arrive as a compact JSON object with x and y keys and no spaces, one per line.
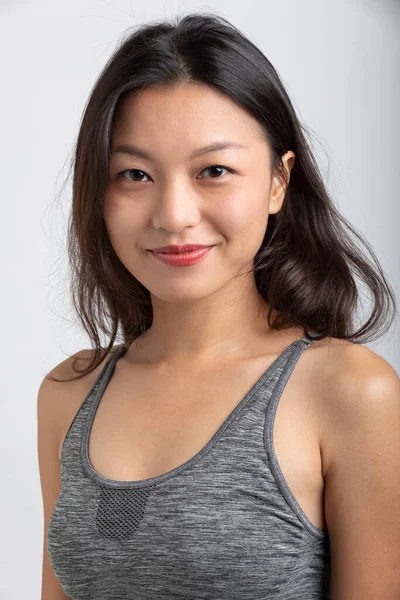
{"x":356,"y":378}
{"x":69,"y":368}
{"x":360,"y":445}
{"x":343,"y":369}
{"x":58,"y":401}
{"x":355,"y":388}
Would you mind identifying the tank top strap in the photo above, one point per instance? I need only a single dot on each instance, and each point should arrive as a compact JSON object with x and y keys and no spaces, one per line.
{"x":310,"y":338}
{"x":101,"y":381}
{"x":109,"y":365}
{"x":72,"y":440}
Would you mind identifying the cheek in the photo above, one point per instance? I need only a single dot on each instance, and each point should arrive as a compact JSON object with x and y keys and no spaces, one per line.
{"x":121,"y":225}
{"x":112,"y":206}
{"x":245,"y":215}
{"x":112,"y":217}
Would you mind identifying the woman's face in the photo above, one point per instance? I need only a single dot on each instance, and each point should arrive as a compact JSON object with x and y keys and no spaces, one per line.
{"x":171,"y":197}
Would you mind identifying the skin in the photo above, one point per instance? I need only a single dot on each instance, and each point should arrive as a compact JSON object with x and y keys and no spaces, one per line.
{"x":337,"y":425}
{"x":348,"y":442}
{"x":212,"y":307}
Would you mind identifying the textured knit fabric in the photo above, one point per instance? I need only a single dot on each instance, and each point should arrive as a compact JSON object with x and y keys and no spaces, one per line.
{"x":224,"y":525}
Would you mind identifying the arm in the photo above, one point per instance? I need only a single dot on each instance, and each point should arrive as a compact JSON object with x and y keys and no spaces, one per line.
{"x":54,"y":412}
{"x":361,"y":455}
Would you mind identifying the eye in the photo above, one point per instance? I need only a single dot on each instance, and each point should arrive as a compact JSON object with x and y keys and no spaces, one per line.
{"x":121,"y":174}
{"x":217,"y":167}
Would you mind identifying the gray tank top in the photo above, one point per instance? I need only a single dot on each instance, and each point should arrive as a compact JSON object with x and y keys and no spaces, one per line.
{"x":224,"y":525}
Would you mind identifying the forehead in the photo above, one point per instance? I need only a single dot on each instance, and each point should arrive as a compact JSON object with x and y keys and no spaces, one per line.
{"x":188,"y":112}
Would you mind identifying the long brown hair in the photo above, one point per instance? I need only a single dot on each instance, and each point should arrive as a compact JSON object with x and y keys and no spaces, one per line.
{"x":305,"y":268}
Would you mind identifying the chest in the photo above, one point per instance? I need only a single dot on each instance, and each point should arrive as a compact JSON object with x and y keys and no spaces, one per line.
{"x":150,"y":422}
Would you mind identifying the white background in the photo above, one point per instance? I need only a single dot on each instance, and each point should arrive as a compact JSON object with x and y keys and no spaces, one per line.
{"x":340,"y":63}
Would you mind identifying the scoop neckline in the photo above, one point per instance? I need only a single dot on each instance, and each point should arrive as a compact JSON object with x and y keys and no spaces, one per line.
{"x":98,"y":391}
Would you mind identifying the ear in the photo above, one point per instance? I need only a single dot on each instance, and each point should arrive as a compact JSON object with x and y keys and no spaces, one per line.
{"x":278,"y":187}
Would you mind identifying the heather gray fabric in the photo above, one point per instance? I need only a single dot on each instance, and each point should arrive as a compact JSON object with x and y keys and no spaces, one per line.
{"x":222,"y":526}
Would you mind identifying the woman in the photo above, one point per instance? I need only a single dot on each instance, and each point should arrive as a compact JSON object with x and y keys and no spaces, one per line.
{"x":240,"y":442}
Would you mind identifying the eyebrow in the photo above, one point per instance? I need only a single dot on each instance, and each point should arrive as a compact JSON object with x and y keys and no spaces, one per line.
{"x":135,"y":151}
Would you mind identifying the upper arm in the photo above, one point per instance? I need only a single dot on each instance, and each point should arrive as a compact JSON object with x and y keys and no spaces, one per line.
{"x":50,"y":424}
{"x":362,"y":479}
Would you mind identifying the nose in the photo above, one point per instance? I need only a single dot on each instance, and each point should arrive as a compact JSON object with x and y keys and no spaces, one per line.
{"x":176,"y":208}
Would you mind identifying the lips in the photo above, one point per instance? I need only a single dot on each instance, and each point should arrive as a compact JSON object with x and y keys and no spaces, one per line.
{"x":183,"y":259}
{"x":179,"y":249}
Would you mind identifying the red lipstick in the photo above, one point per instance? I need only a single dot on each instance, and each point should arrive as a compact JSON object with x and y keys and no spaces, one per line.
{"x":171,"y":256}
{"x":175,"y":248}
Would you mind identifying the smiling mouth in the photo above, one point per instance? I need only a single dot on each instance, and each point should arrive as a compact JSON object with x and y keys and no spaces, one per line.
{"x":180,"y":249}
{"x":182,"y":259}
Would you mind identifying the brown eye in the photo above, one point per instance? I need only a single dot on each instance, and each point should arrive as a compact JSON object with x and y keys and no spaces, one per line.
{"x":216,"y":169}
{"x":130,"y":174}
{"x":121,"y":174}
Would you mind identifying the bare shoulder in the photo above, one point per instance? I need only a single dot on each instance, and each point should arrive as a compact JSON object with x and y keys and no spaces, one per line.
{"x":339,"y":366}
{"x":66,"y":371}
{"x":359,"y":400}
{"x":353,"y":387}
{"x":348,"y":371}
{"x":58,"y":401}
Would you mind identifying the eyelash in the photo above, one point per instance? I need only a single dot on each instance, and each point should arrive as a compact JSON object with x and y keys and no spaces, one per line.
{"x":121,"y":173}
